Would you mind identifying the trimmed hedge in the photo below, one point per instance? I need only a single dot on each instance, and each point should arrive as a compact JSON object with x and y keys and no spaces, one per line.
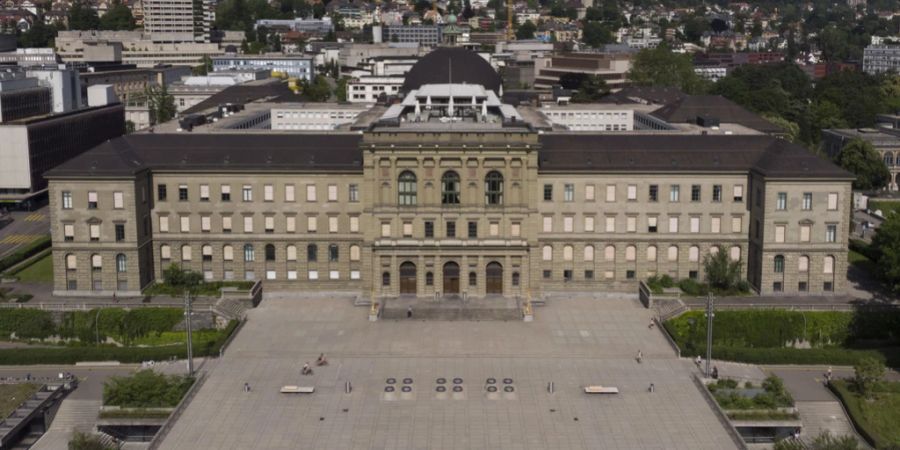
{"x":852,"y":402}
{"x":24,"y":253}
{"x":26,"y":323}
{"x":205,"y":289}
{"x":146,"y":389}
{"x":72,"y":355}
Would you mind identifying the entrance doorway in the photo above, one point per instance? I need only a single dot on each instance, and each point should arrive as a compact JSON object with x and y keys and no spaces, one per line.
{"x":407,"y":278}
{"x":451,"y":278}
{"x":494,"y":278}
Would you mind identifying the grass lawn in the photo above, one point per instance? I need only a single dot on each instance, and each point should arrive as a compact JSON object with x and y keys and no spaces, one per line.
{"x":41,"y":271}
{"x":177,"y":337}
{"x":877,"y":418}
{"x":12,"y":395}
{"x":859,"y":260}
{"x":887,"y":208}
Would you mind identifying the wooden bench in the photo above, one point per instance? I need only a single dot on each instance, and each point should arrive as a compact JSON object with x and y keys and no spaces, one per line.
{"x":290,"y":389}
{"x":600,"y":390}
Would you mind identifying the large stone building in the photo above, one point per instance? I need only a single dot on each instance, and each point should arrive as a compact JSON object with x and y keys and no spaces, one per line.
{"x":449,"y":192}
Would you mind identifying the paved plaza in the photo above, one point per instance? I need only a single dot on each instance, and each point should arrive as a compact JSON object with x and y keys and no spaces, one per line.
{"x":572,"y":342}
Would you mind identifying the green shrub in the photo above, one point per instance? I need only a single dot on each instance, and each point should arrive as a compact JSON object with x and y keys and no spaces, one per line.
{"x":855,"y":408}
{"x":721,"y":272}
{"x":863,"y":248}
{"x":692,"y":287}
{"x":26,"y":323}
{"x":146,"y":389}
{"x":25,"y":252}
{"x":85,"y":441}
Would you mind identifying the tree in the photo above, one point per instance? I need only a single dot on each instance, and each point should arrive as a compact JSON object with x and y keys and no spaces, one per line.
{"x":83,"y":17}
{"x":886,"y":246}
{"x":86,"y":441}
{"x":861,"y":159}
{"x":340,"y":89}
{"x":597,"y":34}
{"x":316,"y":91}
{"x":791,"y":129}
{"x":721,"y":272}
{"x":38,"y":36}
{"x":526,"y":30}
{"x":160,"y":103}
{"x":118,"y":17}
{"x":868,"y":372}
{"x":590,"y":89}
{"x":661,"y":67}
{"x":205,"y":66}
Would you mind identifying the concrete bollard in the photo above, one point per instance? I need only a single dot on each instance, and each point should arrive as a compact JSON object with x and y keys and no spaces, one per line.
{"x":550,"y":387}
{"x":348,"y":387}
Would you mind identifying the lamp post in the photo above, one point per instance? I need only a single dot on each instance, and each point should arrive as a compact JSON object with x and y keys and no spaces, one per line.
{"x":190,"y":347}
{"x":97,"y":325}
{"x":709,"y":329}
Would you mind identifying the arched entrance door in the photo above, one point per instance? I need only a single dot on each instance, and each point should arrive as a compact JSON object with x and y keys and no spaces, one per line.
{"x":407,"y":278}
{"x":451,"y":278}
{"x":494,"y":278}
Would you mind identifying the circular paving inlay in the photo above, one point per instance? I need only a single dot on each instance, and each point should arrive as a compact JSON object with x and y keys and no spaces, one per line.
{"x":457,"y":381}
{"x":391,"y":381}
{"x":441,"y":389}
{"x":441,"y":381}
{"x":406,"y":389}
{"x":507,"y":381}
{"x":492,"y":389}
{"x":457,"y":388}
{"x":491,"y":381}
{"x":509,"y":389}
{"x":388,"y":389}
{"x":407,"y":381}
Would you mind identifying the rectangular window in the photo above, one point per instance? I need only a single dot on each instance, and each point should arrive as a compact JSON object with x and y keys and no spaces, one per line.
{"x":407,"y":229}
{"x":332,"y":224}
{"x":695,"y":224}
{"x":69,"y":232}
{"x":313,"y":274}
{"x":631,"y":224}
{"x":548,"y":192}
{"x":269,"y":223}
{"x":548,"y":224}
{"x":290,"y":224}
{"x":548,"y":274}
{"x":717,"y":193}
{"x":204,"y":192}
{"x":473,"y":230}
{"x":332,"y":193}
{"x":674,"y":193}
{"x":205,"y":224}
{"x":92,"y":200}
{"x":354,"y":193}
{"x":289,"y":193}
{"x":515,"y":229}
{"x":736,"y":225}
{"x":185,"y":224}
{"x":831,"y":233}
{"x":385,"y":229}
{"x":312,"y":224}
{"x":779,"y":233}
{"x":804,"y":233}
{"x":781,"y":201}
{"x":118,"y":200}
{"x":610,"y":224}
{"x":589,"y":192}
{"x":451,"y":229}
{"x":610,"y":192}
{"x":226,"y":193}
{"x":695,"y":192}
{"x":673,"y":224}
{"x":182,"y":193}
{"x":429,"y":229}
{"x":567,"y":275}
{"x":777,"y":286}
{"x":268,"y":193}
{"x":652,"y":226}
{"x":632,"y":192}
{"x":67,"y":200}
{"x":588,"y":274}
{"x":120,"y":232}
{"x":654,"y":193}
{"x":310,"y":192}
{"x":95,"y":232}
{"x":494,"y":229}
{"x":715,"y":225}
{"x":589,"y":224}
{"x":807,"y":201}
{"x":569,"y":192}
{"x":354,"y":224}
{"x":247,"y":193}
{"x":832,"y":201}
{"x":568,"y":224}
{"x":738,"y":193}
{"x":226,"y":224}
{"x":161,"y":192}
{"x":248,"y":224}
{"x":629,"y":274}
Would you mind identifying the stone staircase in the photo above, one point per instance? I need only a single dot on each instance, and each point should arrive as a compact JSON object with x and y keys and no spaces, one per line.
{"x":23,"y":411}
{"x":233,"y":309}
{"x":667,"y":309}
{"x":73,"y":414}
{"x":825,"y":416}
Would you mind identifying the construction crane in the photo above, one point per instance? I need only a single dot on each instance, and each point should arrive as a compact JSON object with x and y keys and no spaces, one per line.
{"x":509,"y":27}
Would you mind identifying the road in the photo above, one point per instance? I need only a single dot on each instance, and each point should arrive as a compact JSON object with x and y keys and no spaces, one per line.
{"x":26,"y":227}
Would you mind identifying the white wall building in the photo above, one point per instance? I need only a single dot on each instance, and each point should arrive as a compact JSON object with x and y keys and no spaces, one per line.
{"x":593,"y":117}
{"x":63,"y":82}
{"x":366,"y":89}
{"x":314,"y":117}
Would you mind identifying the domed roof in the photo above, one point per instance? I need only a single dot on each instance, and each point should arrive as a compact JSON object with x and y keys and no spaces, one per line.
{"x":466,"y":66}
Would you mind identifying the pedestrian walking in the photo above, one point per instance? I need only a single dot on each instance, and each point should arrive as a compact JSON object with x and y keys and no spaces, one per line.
{"x":828,"y":375}
{"x":409,"y":312}
{"x":640,"y":357}
{"x":715,"y":373}
{"x":115,"y":298}
{"x":246,"y":387}
{"x":698,"y":361}
{"x":651,"y":324}
{"x":652,"y":388}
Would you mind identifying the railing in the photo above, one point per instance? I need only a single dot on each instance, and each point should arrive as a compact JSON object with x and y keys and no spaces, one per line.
{"x":231,"y":337}
{"x":89,"y":306}
{"x":720,"y":414}
{"x":182,"y":405}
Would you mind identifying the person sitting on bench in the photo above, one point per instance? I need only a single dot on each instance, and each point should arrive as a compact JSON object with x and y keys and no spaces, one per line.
{"x":321,"y":361}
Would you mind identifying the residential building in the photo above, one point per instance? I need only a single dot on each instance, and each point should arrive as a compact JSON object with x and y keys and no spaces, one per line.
{"x":178,"y":20}
{"x":292,"y":66}
{"x":367,"y":89}
{"x":612,"y":68}
{"x":881,"y":58}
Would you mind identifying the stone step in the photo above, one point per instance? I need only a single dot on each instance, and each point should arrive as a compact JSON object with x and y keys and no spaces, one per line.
{"x":818,"y":417}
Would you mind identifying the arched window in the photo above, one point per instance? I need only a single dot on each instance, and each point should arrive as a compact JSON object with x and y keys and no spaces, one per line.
{"x":165,"y":251}
{"x":406,"y":188}
{"x":386,"y":279}
{"x":354,"y":253}
{"x":473,"y":279}
{"x":651,"y":253}
{"x":312,"y":253}
{"x":803,"y":263}
{"x":609,"y":253}
{"x":828,"y":265}
{"x":673,"y":253}
{"x":228,"y":253}
{"x":568,"y":253}
{"x":694,"y":254}
{"x":889,"y":159}
{"x":429,"y":278}
{"x":121,"y":263}
{"x":547,"y":253}
{"x":96,"y":262}
{"x":735,"y":253}
{"x":71,"y":262}
{"x":493,"y":188}
{"x":630,"y":253}
{"x":589,"y":253}
{"x":450,"y":188}
{"x":333,"y":253}
{"x":714,"y":250}
{"x":249,"y":253}
{"x":270,"y":252}
{"x":185,"y":252}
{"x":291,"y":252}
{"x":206,"y":252}
{"x":779,"y":264}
